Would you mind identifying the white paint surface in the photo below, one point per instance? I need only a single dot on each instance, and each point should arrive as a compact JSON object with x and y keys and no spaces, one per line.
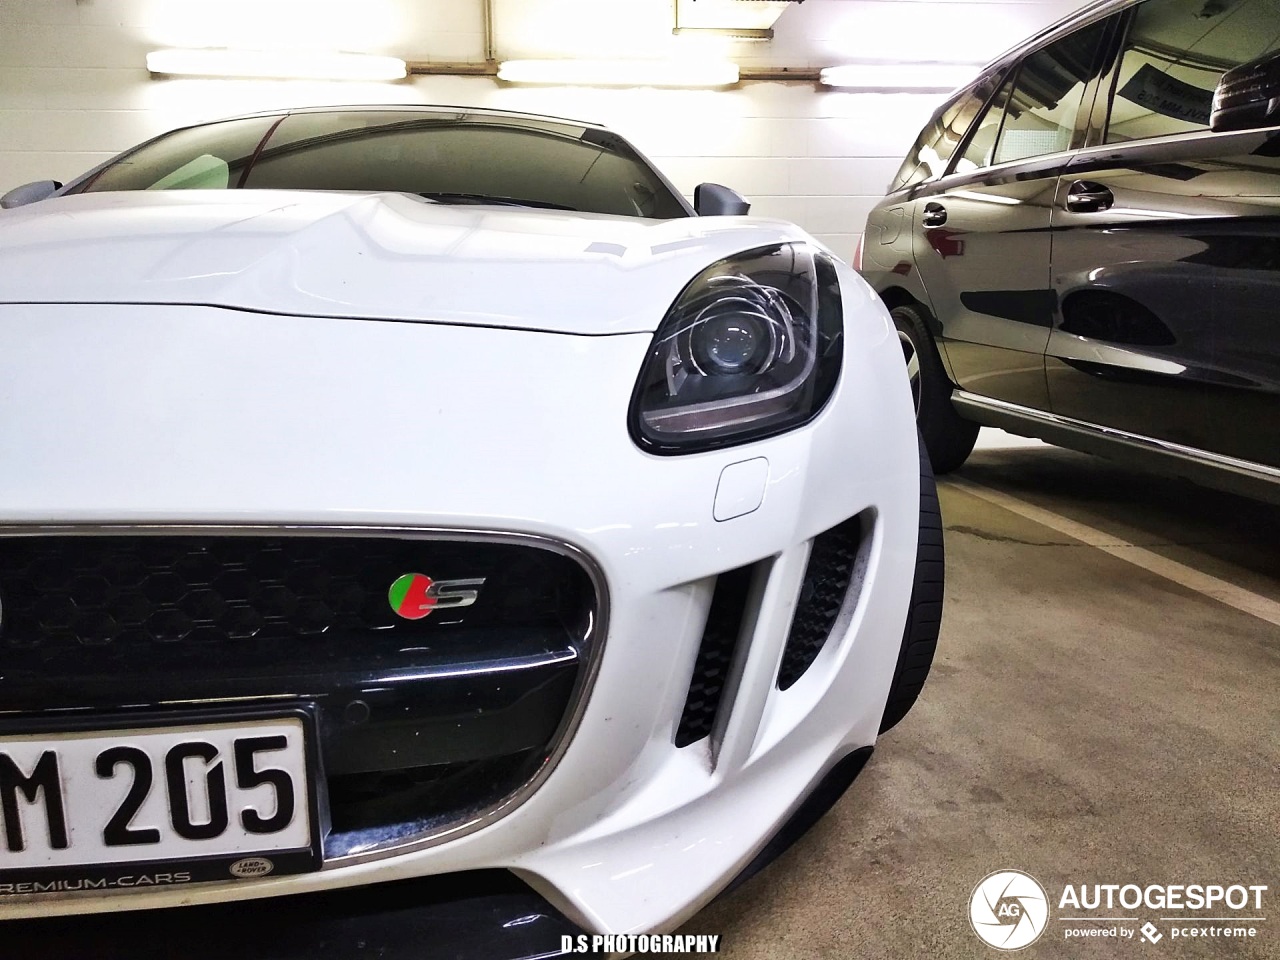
{"x":741,"y":488}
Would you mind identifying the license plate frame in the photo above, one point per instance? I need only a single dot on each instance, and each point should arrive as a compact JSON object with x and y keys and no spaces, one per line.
{"x":43,"y":882}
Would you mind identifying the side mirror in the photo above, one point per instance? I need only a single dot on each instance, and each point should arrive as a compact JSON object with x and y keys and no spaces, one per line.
{"x":29,"y":193}
{"x":1248,"y":96}
{"x":714,"y":200}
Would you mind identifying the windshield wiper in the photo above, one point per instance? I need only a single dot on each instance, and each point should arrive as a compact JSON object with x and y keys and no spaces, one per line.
{"x":479,"y":198}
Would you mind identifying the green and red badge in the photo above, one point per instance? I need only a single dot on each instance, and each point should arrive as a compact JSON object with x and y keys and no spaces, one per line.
{"x":410,"y":596}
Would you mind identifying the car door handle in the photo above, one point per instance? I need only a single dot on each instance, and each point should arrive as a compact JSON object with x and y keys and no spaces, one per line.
{"x":1086,"y":197}
{"x":935,"y":215}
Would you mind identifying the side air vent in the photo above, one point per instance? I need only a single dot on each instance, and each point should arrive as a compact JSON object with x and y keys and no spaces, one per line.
{"x":715,"y":655}
{"x":833,"y":566}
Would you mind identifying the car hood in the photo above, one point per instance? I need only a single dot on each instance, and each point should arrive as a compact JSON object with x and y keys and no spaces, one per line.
{"x":386,"y":256}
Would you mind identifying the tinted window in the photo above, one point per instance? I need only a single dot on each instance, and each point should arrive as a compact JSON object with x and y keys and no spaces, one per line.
{"x":1036,"y":114}
{"x":1175,"y":52}
{"x":932,"y":151}
{"x":981,"y":146}
{"x":463,"y":158}
{"x":211,"y":157}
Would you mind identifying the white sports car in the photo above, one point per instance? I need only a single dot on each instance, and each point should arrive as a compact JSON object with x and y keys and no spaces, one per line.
{"x":397,"y":492}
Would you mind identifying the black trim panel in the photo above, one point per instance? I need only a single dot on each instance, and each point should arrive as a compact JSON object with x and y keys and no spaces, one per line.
{"x":479,"y":915}
{"x":1223,"y":473}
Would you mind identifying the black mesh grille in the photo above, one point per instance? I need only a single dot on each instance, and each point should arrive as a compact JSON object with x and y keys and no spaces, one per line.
{"x":715,"y":655}
{"x":369,"y":801}
{"x":832,"y":563}
{"x":266,"y":597}
{"x":116,"y":626}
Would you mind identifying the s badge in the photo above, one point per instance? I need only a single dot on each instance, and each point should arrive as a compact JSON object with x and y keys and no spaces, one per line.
{"x":414,"y":595}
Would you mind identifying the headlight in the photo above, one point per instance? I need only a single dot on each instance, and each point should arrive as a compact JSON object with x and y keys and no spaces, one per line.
{"x":750,"y":348}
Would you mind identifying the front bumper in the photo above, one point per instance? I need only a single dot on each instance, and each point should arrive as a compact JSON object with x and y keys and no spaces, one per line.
{"x":197,"y":417}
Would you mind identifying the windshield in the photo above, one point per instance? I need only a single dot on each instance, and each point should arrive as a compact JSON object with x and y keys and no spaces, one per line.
{"x":444,"y":157}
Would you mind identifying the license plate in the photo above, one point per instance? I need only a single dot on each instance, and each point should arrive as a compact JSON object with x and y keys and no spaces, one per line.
{"x":155,"y":806}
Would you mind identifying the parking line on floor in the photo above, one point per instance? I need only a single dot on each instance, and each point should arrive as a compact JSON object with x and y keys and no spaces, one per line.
{"x":1202,"y":583}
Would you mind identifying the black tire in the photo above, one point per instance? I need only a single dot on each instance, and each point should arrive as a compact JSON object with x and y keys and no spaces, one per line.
{"x":924,"y":615}
{"x":948,"y":437}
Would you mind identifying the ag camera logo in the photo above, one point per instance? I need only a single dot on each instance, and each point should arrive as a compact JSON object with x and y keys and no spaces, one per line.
{"x":1009,"y":910}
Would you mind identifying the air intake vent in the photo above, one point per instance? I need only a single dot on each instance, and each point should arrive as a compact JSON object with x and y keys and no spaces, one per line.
{"x":715,"y":655}
{"x":833,"y":562}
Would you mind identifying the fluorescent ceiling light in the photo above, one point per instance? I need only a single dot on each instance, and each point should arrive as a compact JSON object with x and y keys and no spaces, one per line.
{"x":621,"y":73}
{"x":900,"y":76}
{"x":288,"y":64}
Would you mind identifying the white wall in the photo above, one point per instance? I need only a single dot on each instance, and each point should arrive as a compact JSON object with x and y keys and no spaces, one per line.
{"x":74,"y":89}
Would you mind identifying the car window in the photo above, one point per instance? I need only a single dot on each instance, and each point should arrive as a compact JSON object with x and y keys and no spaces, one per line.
{"x":460,"y":158}
{"x":978,"y":151}
{"x":932,"y":151}
{"x":1035,"y":113}
{"x":1173,"y":56}
{"x":209,"y":157}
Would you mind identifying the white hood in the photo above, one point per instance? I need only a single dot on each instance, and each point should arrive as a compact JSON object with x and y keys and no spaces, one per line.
{"x":379,"y":256}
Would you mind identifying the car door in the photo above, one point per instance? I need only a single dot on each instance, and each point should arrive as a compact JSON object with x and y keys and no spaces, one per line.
{"x":885,"y":255}
{"x":1243,"y":397}
{"x":981,"y":238}
{"x":1156,"y":239}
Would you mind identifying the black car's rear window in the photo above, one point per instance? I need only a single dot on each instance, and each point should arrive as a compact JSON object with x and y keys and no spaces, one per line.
{"x":453,"y":158}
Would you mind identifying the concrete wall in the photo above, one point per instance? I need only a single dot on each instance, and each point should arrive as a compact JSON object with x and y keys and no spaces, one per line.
{"x":74,"y":88}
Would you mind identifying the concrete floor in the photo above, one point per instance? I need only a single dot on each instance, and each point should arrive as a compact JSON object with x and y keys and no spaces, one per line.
{"x":1086,"y":721}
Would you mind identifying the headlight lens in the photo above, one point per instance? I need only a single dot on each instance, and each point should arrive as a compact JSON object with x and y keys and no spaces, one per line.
{"x":750,"y":348}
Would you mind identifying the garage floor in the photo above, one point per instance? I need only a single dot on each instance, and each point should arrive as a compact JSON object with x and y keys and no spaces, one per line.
{"x":1087,"y":721}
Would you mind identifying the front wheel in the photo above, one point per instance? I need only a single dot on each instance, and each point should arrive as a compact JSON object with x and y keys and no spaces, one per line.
{"x":948,"y":437}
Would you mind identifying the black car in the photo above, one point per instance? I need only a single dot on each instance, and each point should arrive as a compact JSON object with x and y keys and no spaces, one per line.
{"x":1084,"y":243}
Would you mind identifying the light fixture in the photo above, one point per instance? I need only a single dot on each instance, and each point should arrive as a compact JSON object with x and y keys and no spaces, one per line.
{"x":900,"y":76}
{"x":738,"y":19}
{"x":726,"y":33}
{"x":286,"y":64}
{"x":621,"y":73}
